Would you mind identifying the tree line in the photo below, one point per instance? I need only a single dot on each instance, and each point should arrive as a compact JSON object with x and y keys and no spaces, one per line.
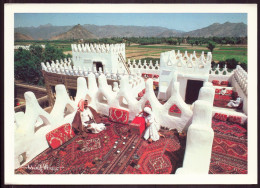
{"x":156,"y":40}
{"x":27,"y":63}
{"x":230,"y":63}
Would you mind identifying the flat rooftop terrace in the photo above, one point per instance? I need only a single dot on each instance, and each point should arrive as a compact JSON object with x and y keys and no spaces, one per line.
{"x":117,"y":150}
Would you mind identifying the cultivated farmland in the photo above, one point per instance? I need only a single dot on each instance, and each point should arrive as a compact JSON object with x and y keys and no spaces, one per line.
{"x":220,"y":53}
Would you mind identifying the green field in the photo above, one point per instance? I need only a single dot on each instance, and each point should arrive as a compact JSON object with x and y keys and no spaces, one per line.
{"x":220,"y":53}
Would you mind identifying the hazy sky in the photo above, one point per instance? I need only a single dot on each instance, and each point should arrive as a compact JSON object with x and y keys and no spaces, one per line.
{"x":179,"y":21}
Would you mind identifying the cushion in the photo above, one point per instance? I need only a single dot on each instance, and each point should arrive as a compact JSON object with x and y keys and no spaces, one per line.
{"x":143,"y":91}
{"x":217,"y":90}
{"x":224,"y":83}
{"x":217,"y":96}
{"x":118,"y":115}
{"x":143,"y":74}
{"x":174,"y":109}
{"x":229,"y":92}
{"x":215,"y":82}
{"x":60,"y":135}
{"x":156,"y":76}
{"x":149,"y":75}
{"x":219,"y":116}
{"x":235,"y":119}
{"x":137,"y":126}
{"x":226,"y":98}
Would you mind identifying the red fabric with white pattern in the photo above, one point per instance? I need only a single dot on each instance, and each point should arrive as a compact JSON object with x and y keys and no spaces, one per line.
{"x":174,"y":109}
{"x":224,"y":83}
{"x":149,"y":75}
{"x":222,"y":97}
{"x":215,"y":82}
{"x":118,"y":115}
{"x":137,"y":126}
{"x":219,"y":116}
{"x":229,"y":92}
{"x":217,"y":90}
{"x":60,"y":135}
{"x":235,"y":119}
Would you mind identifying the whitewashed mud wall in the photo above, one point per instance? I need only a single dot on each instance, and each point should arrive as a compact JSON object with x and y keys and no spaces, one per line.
{"x":64,"y":67}
{"x":85,"y":55}
{"x":186,"y":67}
{"x":200,"y":135}
{"x":240,"y":83}
{"x":33,"y":143}
{"x":146,"y":68}
{"x":186,"y":64}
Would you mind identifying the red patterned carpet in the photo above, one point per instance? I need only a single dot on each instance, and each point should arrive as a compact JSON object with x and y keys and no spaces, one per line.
{"x":117,"y":151}
{"x":113,"y":151}
{"x":229,"y":150}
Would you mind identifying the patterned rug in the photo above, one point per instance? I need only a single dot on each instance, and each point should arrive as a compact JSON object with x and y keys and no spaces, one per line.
{"x":162,"y":157}
{"x":117,"y":151}
{"x":113,"y":151}
{"x":229,"y":150}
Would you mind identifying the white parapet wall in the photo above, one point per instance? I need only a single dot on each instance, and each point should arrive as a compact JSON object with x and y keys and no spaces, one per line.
{"x":144,"y":67}
{"x":64,"y":67}
{"x":220,"y":75}
{"x":29,"y":143}
{"x":239,"y":82}
{"x":200,"y":135}
{"x":186,"y":64}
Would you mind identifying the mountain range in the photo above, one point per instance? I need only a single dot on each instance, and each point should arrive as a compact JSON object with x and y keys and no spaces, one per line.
{"x":77,"y":32}
{"x":220,"y":30}
{"x":50,"y":32}
{"x":20,"y":36}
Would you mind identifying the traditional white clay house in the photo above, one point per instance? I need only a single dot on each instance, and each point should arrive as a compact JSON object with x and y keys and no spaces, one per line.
{"x":98,"y":57}
{"x":191,"y":72}
{"x":177,"y":77}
